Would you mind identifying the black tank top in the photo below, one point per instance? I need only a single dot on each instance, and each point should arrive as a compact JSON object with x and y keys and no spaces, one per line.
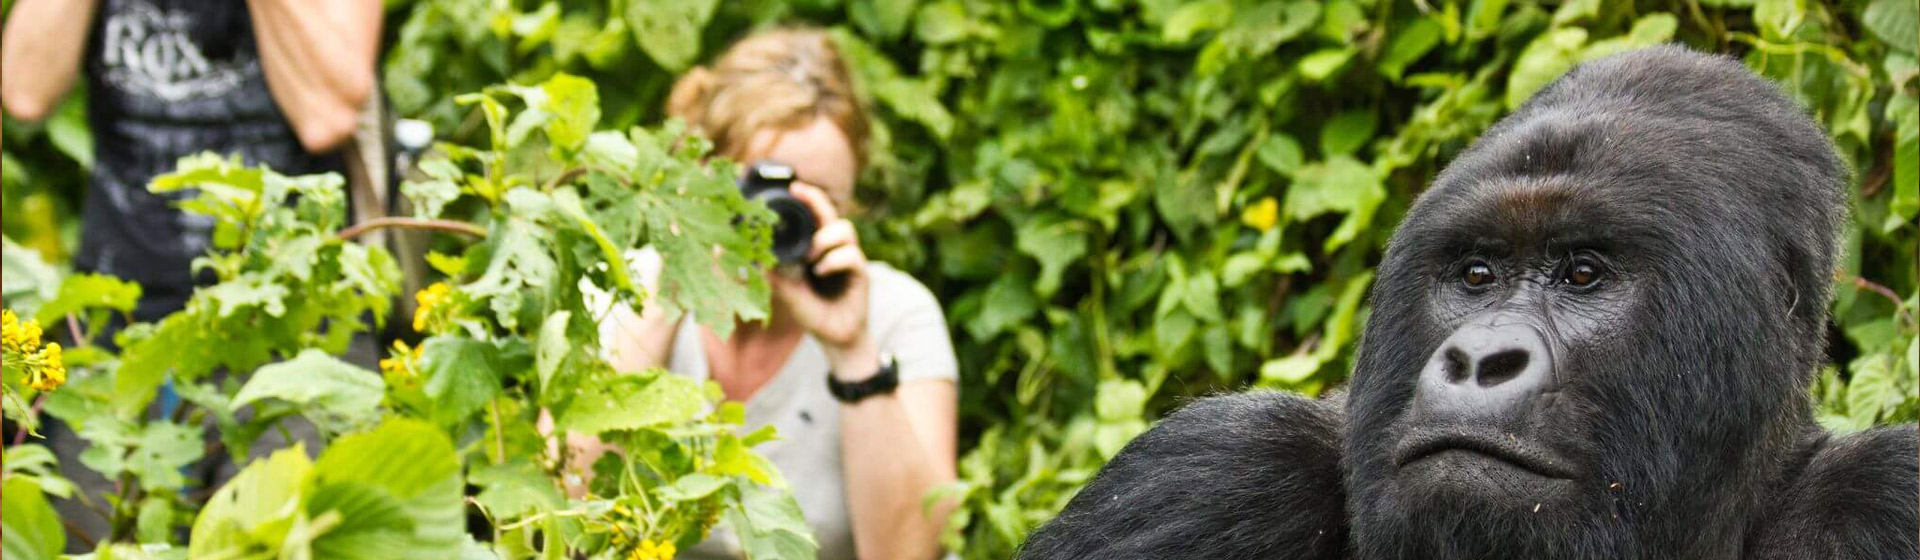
{"x":166,"y":79}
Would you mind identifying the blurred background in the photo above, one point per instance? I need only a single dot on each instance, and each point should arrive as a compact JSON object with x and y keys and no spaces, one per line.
{"x":1125,"y":204}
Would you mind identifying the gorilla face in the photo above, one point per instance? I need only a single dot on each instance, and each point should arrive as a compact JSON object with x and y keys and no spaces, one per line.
{"x":1593,"y":330}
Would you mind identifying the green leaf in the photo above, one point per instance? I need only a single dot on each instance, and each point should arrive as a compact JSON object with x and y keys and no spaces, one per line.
{"x":1120,"y":399}
{"x":1544,"y":60}
{"x":254,"y":511}
{"x":1409,"y":45}
{"x":159,"y":453}
{"x":515,"y":489}
{"x":1321,"y":64}
{"x":1281,"y":153}
{"x":692,"y":487}
{"x":1194,"y":18}
{"x":553,"y":346}
{"x":1054,"y":241}
{"x":30,"y":528}
{"x":1289,"y":370}
{"x":669,"y":30}
{"x":409,"y":461}
{"x":335,"y":395}
{"x":83,"y":291}
{"x":628,"y":402}
{"x":1895,"y":22}
{"x":770,"y":527}
{"x":462,"y":374}
{"x":1347,"y":132}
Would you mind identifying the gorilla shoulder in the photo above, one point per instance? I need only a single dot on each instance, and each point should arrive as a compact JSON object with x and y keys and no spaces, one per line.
{"x":1857,"y":497}
{"x":1240,"y":476}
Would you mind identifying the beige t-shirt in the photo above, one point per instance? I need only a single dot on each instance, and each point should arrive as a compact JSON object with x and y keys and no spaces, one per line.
{"x":905,"y":321}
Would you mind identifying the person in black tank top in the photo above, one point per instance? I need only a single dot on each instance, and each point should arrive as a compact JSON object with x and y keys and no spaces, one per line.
{"x":170,"y":78}
{"x":278,"y":82}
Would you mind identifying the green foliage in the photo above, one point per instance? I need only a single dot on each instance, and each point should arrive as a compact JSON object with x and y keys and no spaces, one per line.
{"x":1065,"y":176}
{"x":512,"y":335}
{"x":1123,"y":205}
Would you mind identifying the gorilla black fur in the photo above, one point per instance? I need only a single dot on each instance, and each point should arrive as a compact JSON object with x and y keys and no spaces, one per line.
{"x":1591,"y":338}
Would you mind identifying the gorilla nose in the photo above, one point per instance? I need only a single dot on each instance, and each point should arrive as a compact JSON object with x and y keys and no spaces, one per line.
{"x":1485,"y":369}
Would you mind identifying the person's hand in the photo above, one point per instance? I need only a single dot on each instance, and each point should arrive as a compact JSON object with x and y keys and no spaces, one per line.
{"x":840,"y":323}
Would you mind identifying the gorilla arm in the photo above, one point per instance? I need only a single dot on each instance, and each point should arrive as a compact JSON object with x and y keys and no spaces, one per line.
{"x":1253,"y":475}
{"x":1857,"y":497}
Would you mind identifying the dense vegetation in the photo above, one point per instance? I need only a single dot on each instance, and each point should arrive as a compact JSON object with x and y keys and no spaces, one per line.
{"x":1194,"y":193}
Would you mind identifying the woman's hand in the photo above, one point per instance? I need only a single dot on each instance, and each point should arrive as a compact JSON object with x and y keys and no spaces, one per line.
{"x":840,"y":323}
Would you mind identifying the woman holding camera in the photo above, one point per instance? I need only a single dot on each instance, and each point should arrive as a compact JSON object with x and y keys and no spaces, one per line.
{"x":860,"y":379}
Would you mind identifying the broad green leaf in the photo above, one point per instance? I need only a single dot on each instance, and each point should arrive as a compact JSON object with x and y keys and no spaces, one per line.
{"x":770,"y":527}
{"x":1119,"y":399}
{"x":515,"y":489}
{"x":462,"y":374}
{"x":669,"y":30}
{"x":1409,"y":45}
{"x":628,"y":402}
{"x":1196,"y":17}
{"x":553,"y":346}
{"x":407,"y":461}
{"x":1282,"y":154}
{"x":160,"y":451}
{"x":30,"y":528}
{"x":1347,"y":132}
{"x":1895,"y":22}
{"x":83,"y":291}
{"x":255,"y":510}
{"x":335,"y":395}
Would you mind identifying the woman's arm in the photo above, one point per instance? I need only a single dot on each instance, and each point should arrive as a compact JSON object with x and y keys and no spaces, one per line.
{"x":40,"y":54}
{"x":319,"y":58}
{"x":896,"y":449}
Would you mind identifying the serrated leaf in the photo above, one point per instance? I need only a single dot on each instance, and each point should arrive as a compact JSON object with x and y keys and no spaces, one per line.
{"x":693,"y":487}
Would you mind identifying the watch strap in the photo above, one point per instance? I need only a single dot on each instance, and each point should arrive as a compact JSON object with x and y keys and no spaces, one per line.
{"x":881,"y":382}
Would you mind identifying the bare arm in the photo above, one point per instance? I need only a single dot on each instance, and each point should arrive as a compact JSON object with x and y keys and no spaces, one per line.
{"x":319,"y":58}
{"x":40,"y":54}
{"x":896,"y":449}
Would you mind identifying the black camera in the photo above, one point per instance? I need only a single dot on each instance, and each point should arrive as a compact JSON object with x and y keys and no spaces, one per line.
{"x":794,"y":224}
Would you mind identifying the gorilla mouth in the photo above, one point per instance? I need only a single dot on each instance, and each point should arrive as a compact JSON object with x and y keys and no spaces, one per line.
{"x":1505,"y":449}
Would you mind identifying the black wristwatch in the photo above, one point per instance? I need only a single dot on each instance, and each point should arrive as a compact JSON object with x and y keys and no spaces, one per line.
{"x":882,"y":382}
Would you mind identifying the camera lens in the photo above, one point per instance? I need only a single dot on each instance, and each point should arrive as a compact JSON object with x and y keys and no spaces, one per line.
{"x":792,"y":228}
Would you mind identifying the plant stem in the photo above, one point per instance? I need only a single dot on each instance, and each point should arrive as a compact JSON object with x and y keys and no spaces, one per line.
{"x":449,"y":226}
{"x":20,"y":433}
{"x":1899,"y":305}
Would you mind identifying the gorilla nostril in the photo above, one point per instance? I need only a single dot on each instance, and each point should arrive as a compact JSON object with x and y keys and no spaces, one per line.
{"x":1501,"y":367}
{"x":1456,"y":365}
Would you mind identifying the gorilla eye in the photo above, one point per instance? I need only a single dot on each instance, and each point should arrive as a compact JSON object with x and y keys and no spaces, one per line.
{"x":1582,"y":273}
{"x":1477,"y":274}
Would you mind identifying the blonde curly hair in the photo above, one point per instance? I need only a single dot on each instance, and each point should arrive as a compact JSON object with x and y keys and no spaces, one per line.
{"x":778,"y":80}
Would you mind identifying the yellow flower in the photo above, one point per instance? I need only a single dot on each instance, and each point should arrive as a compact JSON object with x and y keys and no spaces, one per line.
{"x":19,"y":337}
{"x":433,"y":296}
{"x":1262,"y":214}
{"x":401,"y":360}
{"x":649,"y":550}
{"x":51,"y":372}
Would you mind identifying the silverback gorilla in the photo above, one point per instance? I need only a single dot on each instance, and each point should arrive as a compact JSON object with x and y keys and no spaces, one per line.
{"x":1591,"y":338}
